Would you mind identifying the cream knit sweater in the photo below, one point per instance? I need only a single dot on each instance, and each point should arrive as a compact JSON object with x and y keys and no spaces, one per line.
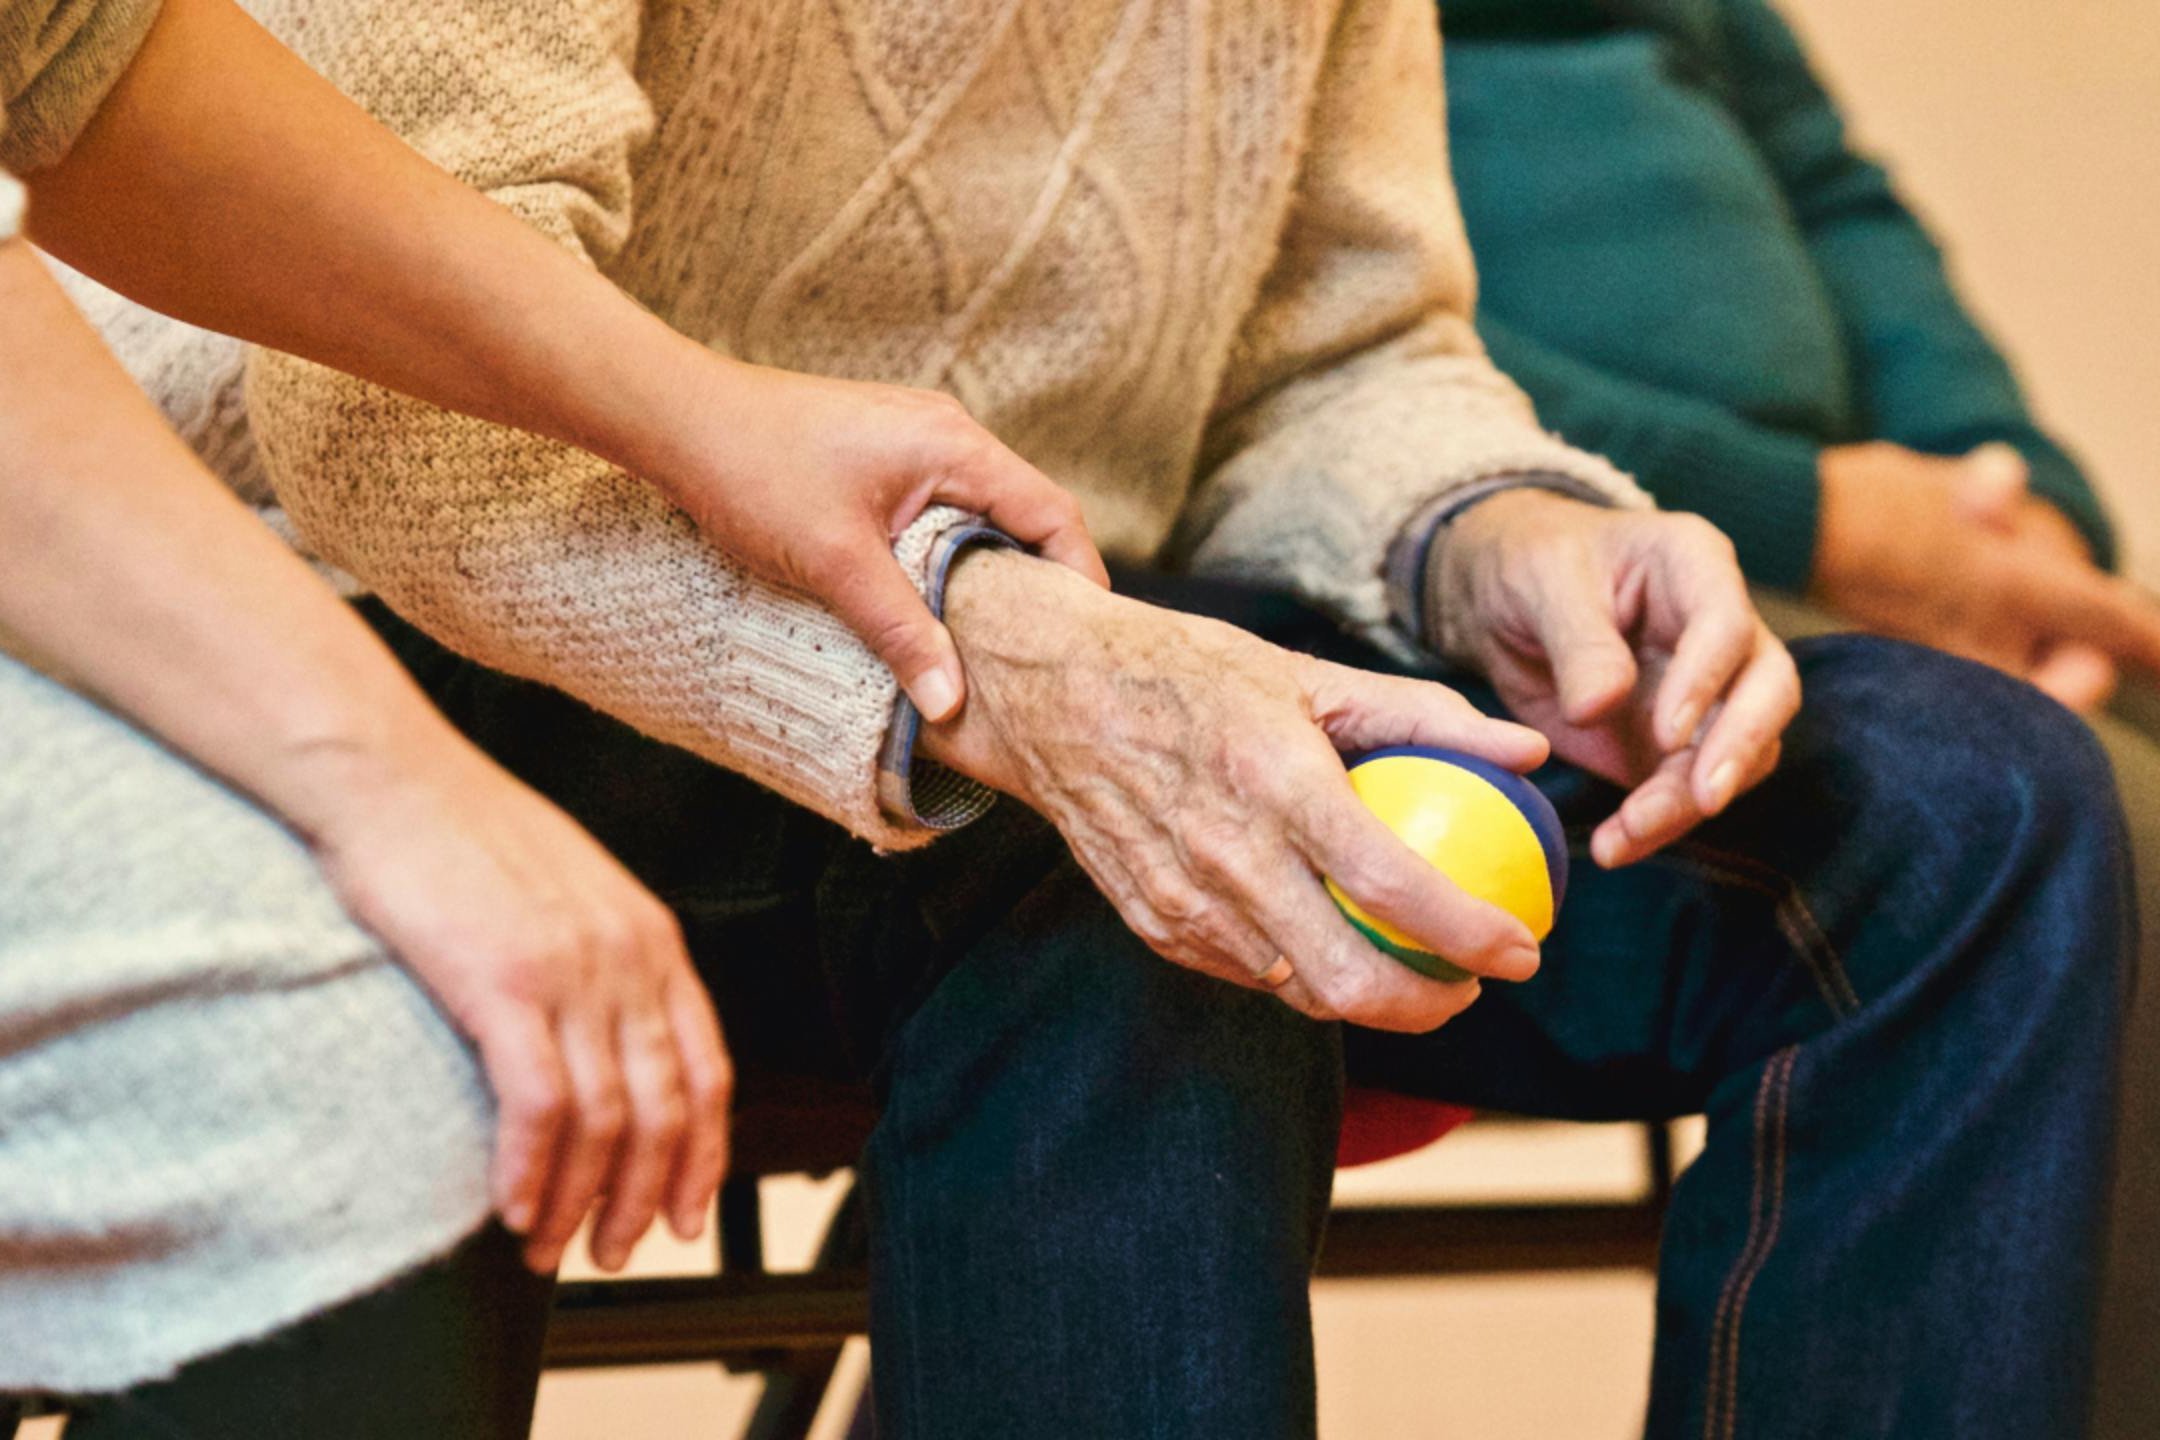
{"x":1201,"y":262}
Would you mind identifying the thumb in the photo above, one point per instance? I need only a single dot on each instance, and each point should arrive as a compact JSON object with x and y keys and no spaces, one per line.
{"x":2083,"y":677}
{"x":1991,"y":483}
{"x":875,"y":599}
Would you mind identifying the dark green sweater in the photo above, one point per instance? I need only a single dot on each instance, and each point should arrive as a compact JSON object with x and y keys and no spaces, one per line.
{"x":1689,"y":270}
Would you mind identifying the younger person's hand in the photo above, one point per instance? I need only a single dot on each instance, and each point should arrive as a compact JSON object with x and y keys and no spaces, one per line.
{"x":1954,"y":553}
{"x":808,"y":480}
{"x":611,"y":1080}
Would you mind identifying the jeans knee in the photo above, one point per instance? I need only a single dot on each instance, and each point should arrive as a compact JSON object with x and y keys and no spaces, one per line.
{"x":1961,"y":794}
{"x":1956,"y":737}
{"x":1063,"y":1031}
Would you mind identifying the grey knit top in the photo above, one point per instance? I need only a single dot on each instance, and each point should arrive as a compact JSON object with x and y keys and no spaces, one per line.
{"x":222,"y":1106}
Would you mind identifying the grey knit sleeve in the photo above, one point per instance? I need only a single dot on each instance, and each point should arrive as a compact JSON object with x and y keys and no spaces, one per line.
{"x":58,"y":61}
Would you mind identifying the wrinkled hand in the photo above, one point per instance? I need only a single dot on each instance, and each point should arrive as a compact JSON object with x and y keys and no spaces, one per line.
{"x":1628,"y":638}
{"x":808,"y":480}
{"x":1194,"y":771}
{"x":610,"y":1078}
{"x":1954,"y":553}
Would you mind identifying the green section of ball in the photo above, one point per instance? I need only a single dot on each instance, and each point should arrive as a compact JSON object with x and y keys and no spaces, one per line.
{"x":1423,"y":961}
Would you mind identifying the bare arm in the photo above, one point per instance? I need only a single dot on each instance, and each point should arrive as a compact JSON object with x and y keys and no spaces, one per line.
{"x":128,"y":567}
{"x":225,"y":183}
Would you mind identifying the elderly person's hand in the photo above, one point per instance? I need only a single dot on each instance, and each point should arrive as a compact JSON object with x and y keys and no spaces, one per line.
{"x":1628,"y":638}
{"x":1194,"y":770}
{"x":1952,"y":552}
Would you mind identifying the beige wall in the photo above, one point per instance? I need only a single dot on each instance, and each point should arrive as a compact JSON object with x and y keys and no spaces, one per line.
{"x":2030,"y":136}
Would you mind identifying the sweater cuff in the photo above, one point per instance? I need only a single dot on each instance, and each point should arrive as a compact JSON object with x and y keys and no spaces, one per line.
{"x":1762,"y":489}
{"x":77,"y":52}
{"x":1410,"y":557}
{"x":914,"y":791}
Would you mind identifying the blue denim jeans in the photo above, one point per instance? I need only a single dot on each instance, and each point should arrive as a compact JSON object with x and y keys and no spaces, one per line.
{"x":1892,"y":978}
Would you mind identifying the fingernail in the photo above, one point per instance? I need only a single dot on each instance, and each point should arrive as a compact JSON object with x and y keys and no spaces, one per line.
{"x":1723,"y":781}
{"x":1685,"y":719}
{"x":935,"y":694}
{"x":517,"y":1216}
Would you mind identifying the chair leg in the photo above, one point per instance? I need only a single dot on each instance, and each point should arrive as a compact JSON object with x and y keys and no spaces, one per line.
{"x":789,"y":1406}
{"x":1658,"y":1152}
{"x":742,"y":1226}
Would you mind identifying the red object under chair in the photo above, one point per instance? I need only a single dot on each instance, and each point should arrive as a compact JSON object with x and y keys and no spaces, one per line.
{"x":1380,"y":1125}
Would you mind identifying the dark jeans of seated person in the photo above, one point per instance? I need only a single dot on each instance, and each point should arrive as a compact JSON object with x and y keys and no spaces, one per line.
{"x":1891,"y":976}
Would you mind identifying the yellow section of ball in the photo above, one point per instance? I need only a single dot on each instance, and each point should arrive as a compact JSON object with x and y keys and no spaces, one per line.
{"x":1465,"y":828}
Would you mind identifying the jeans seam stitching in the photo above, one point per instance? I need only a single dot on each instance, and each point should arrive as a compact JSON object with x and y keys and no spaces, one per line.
{"x":1795,"y":921}
{"x":1762,"y":1257}
{"x":1733,"y":1293}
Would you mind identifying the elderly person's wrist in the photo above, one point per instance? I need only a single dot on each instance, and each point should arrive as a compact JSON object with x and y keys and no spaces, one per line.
{"x":1413,"y":561}
{"x":1444,"y":595}
{"x":1013,"y":617}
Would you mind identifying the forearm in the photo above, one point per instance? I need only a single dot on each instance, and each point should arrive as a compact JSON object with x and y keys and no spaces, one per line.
{"x":284,"y":214}
{"x":126,"y":567}
{"x":1926,"y":375}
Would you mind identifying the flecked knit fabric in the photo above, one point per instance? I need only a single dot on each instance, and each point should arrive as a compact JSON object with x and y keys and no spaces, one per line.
{"x":222,"y":1106}
{"x":1201,"y":263}
{"x":58,"y":59}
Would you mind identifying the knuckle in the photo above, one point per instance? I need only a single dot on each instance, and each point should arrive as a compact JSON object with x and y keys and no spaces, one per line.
{"x":824,"y":553}
{"x":1173,"y":899}
{"x":1154,"y":933}
{"x":604,"y":1117}
{"x":710,"y":1091}
{"x":529,"y":973}
{"x":665,"y":1119}
{"x":1703,"y":540}
{"x":539,"y":1105}
{"x":662,"y":933}
{"x":611,"y":936}
{"x":1383,"y":890}
{"x":1215,"y":851}
{"x":1217,"y":932}
{"x":944,"y":405}
{"x":1348,"y":989}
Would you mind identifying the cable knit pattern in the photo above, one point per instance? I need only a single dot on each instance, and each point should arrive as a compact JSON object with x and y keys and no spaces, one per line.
{"x":1200,"y":262}
{"x":222,"y":1106}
